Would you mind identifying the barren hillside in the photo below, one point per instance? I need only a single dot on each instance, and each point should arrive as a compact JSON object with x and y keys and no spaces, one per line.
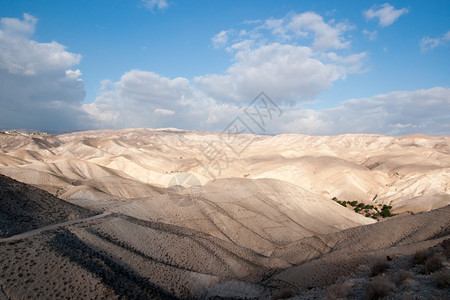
{"x":133,"y":163}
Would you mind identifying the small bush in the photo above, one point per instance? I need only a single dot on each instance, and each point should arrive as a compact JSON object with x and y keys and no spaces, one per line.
{"x":379,"y":287}
{"x":284,"y":293}
{"x":432,"y":264}
{"x":352,"y":203}
{"x":378,"y":268}
{"x":421,"y":256}
{"x":335,"y":199}
{"x":442,"y":279}
{"x":338,"y":291}
{"x":404,"y":275}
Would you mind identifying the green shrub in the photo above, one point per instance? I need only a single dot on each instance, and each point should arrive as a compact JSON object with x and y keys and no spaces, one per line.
{"x":386,"y":211}
{"x":343,"y":203}
{"x":353,"y":203}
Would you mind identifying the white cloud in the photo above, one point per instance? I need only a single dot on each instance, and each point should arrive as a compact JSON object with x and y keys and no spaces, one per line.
{"x":447,"y":36}
{"x":371,"y":35}
{"x":304,"y":121}
{"x":385,"y":13}
{"x":427,"y":43}
{"x":13,"y":26}
{"x":289,"y":72}
{"x":39,"y":88}
{"x":220,"y":39}
{"x":74,"y":74}
{"x":22,"y":56}
{"x":138,"y":99}
{"x":309,"y":26}
{"x":306,"y":28}
{"x":287,"y":57}
{"x":175,"y":103}
{"x":163,"y":112}
{"x":152,"y":4}
{"x":326,"y":35}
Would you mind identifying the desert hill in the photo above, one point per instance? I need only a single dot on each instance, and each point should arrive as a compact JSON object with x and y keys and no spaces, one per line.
{"x":390,"y":170}
{"x":121,"y":255}
{"x":201,"y":215}
{"x":260,"y":215}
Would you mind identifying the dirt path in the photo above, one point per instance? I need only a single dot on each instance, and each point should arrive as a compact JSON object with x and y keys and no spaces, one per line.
{"x":27,"y":234}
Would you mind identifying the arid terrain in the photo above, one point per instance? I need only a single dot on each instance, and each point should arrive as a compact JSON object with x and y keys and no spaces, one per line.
{"x":144,"y":213}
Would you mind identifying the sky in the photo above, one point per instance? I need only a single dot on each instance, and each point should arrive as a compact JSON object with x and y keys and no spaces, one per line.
{"x":324,"y":67}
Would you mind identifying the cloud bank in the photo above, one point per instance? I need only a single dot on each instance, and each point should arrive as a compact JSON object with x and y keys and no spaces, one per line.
{"x":293,"y":59}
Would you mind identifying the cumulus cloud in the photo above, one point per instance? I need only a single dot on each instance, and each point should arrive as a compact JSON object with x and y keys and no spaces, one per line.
{"x":289,"y":72}
{"x":182,"y":106}
{"x":152,"y":4}
{"x":309,"y":26}
{"x":295,"y":58}
{"x":427,"y":43}
{"x":385,"y":13}
{"x":139,"y":99}
{"x":39,"y":89}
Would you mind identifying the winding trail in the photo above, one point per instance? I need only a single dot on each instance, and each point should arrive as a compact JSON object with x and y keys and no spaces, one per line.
{"x":30,"y":233}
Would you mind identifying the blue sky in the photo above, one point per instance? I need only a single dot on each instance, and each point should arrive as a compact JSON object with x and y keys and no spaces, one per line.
{"x":331,"y":66}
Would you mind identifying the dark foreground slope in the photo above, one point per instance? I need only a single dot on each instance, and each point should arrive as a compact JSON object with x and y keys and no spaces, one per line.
{"x":24,"y":207}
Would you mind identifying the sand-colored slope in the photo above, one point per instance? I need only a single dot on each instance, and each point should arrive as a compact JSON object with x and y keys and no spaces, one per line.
{"x":119,"y":255}
{"x":258,"y":214}
{"x":343,"y":251}
{"x":325,"y":175}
